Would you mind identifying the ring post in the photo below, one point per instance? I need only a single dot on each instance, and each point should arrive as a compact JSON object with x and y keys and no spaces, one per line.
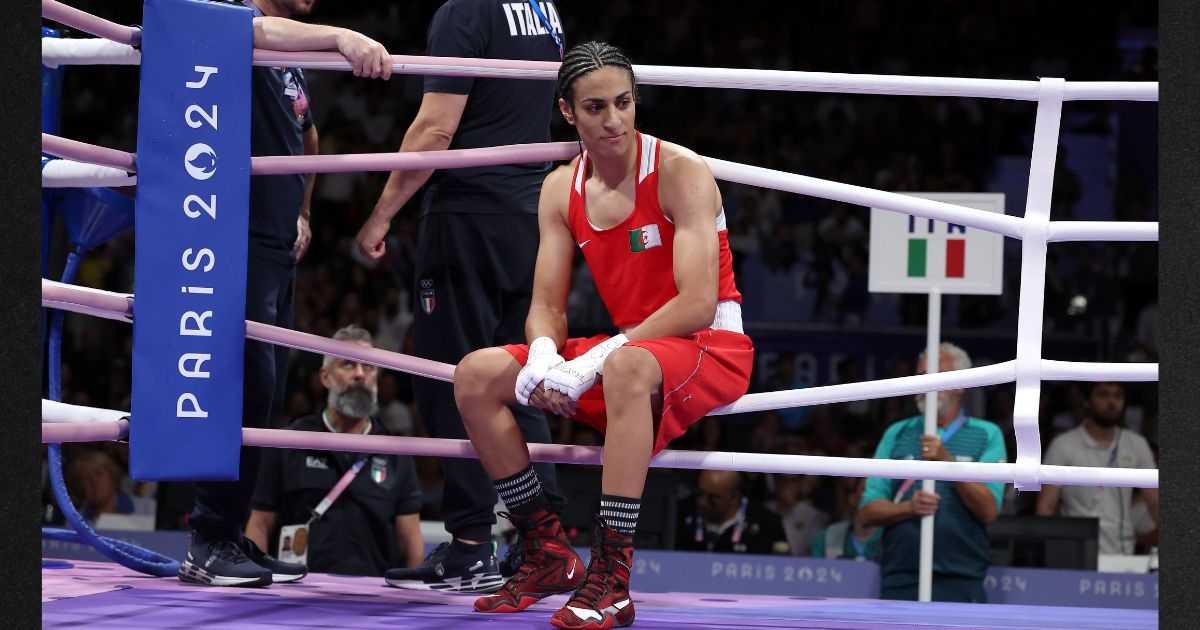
{"x":191,"y":219}
{"x":1031,"y":305}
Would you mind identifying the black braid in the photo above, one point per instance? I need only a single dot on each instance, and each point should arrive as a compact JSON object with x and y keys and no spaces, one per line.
{"x":587,"y":58}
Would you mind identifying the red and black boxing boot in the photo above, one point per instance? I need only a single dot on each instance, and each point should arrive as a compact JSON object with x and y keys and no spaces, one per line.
{"x":551,"y":565}
{"x":603,"y":601}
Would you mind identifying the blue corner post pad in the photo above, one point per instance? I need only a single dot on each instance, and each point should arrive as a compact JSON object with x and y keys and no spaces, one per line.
{"x":191,"y":224}
{"x":52,"y":79}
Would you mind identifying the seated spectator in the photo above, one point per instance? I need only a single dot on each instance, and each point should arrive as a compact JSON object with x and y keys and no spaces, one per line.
{"x":97,"y":484}
{"x":1101,"y":441}
{"x":845,"y":538}
{"x":962,"y":510}
{"x":793,"y":502}
{"x":721,"y":518}
{"x":373,"y":525}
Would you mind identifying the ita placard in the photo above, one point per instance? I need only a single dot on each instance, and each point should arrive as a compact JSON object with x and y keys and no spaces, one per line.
{"x":916,"y":255}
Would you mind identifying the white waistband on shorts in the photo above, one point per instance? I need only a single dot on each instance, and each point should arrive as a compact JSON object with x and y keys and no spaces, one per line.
{"x":728,"y":317}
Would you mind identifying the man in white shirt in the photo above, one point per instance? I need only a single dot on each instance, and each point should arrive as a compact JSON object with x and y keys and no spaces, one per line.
{"x":1101,"y":441}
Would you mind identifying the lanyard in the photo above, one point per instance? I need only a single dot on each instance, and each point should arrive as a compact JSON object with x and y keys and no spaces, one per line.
{"x":739,"y":524}
{"x":1112,"y":462}
{"x":337,"y":489}
{"x":1112,"y":455}
{"x":549,"y":29}
{"x":954,"y":427}
{"x":947,"y":433}
{"x":342,"y":483}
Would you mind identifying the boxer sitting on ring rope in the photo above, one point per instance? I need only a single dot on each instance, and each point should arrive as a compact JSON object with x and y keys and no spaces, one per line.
{"x":647,"y":216}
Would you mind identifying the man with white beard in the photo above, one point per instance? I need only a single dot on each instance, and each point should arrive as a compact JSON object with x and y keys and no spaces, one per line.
{"x":962,"y":510}
{"x":371,"y":526}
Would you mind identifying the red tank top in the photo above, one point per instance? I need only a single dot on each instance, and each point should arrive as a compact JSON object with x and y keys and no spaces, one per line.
{"x":632,"y":262}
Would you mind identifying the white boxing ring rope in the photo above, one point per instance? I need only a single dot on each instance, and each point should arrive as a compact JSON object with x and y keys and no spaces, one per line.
{"x":56,"y":52}
{"x":72,"y":174}
{"x":727,"y":171}
{"x":61,"y":424}
{"x":1034,"y":229}
{"x":735,"y":78}
{"x":63,"y":413}
{"x":57,"y":416}
{"x":119,"y":306}
{"x":88,"y":23}
{"x":88,"y":153}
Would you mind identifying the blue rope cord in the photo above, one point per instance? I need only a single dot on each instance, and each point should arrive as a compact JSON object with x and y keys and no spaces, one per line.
{"x":121,"y":552}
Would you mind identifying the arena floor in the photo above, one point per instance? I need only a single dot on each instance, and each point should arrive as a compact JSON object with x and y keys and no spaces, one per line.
{"x":105,"y":595}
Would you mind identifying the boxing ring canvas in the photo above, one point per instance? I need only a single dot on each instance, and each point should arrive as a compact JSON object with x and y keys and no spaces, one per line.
{"x":106,"y":595}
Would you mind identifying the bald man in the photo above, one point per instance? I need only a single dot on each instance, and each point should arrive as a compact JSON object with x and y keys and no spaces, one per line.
{"x":720,"y":518}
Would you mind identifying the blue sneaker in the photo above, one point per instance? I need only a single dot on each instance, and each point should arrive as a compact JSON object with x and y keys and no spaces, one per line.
{"x":450,"y":569}
{"x":514,"y":557}
{"x":281,"y":572}
{"x":221,"y":563}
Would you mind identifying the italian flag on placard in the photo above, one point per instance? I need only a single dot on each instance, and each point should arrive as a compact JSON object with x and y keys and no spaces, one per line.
{"x":918,"y":255}
{"x":644,"y":238}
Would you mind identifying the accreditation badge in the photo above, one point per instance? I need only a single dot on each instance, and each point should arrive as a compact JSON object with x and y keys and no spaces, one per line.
{"x":293,"y":544}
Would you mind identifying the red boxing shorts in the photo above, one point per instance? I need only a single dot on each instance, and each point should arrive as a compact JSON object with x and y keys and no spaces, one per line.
{"x":701,"y":372}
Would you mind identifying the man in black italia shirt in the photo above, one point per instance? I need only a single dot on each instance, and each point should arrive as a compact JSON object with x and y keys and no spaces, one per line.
{"x":280,"y":124}
{"x":477,"y":241}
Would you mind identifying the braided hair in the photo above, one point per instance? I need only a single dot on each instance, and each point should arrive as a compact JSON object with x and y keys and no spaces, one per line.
{"x":586,"y":58}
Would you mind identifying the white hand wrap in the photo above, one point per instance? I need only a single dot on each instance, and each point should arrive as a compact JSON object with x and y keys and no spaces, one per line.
{"x":578,"y":375}
{"x":543,"y":355}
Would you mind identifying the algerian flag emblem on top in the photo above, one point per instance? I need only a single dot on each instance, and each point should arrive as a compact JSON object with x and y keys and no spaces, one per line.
{"x":644,"y":238}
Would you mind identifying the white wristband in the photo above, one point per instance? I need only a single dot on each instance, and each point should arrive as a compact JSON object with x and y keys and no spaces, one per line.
{"x":602,"y":351}
{"x":541,"y":346}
